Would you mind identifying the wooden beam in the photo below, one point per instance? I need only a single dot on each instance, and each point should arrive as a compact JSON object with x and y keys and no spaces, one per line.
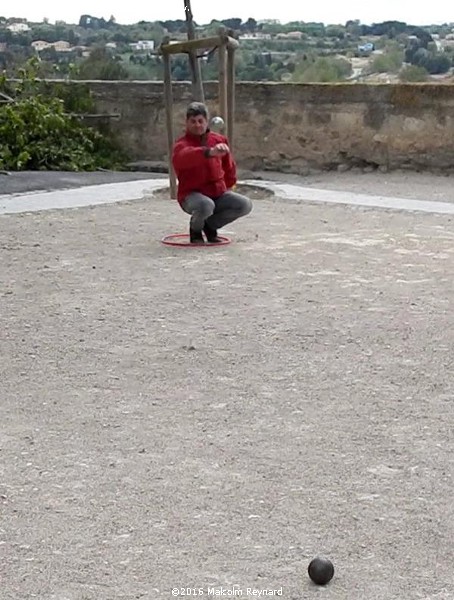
{"x":169,"y":120}
{"x":187,"y":46}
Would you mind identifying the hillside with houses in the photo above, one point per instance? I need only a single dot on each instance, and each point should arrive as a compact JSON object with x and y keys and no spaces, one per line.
{"x":96,"y":48}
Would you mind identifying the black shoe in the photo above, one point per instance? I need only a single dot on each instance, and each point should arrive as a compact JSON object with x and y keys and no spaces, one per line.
{"x":212,"y":235}
{"x":196,"y":237}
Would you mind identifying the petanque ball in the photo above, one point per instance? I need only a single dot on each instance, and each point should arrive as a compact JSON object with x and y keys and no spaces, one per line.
{"x":217,"y":124}
{"x":321,"y":570}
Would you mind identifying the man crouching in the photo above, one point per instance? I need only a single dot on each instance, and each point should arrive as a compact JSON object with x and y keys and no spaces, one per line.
{"x":206,"y":173}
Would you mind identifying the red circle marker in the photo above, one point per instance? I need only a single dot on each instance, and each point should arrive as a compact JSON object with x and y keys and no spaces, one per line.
{"x":181,"y":240}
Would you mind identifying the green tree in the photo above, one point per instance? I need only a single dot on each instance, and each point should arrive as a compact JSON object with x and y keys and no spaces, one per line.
{"x":180,"y":68}
{"x":38,"y":134}
{"x":122,"y":37}
{"x":46,"y":33}
{"x":389,"y":62}
{"x":335,"y":31}
{"x":15,"y":58}
{"x":173,"y":26}
{"x":250,"y":25}
{"x":6,"y":36}
{"x":101,"y":65}
{"x":438,"y":63}
{"x":353,"y":28}
{"x":213,"y":27}
{"x":22,"y":39}
{"x":420,"y":57}
{"x":72,"y":37}
{"x":323,"y":70}
{"x":143,"y":72}
{"x":234,"y":24}
{"x":434,"y":62}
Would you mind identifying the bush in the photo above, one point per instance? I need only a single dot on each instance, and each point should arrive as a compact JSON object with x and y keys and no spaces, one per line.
{"x":413,"y":73}
{"x":438,"y":63}
{"x":101,"y":65}
{"x":322,"y":70}
{"x":37,"y":133}
{"x":389,"y":62}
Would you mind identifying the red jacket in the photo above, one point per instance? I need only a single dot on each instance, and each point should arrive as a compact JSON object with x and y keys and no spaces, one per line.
{"x":196,"y":172}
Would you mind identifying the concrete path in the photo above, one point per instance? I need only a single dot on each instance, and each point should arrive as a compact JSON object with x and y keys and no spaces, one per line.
{"x":306,"y":194}
{"x":105,"y":193}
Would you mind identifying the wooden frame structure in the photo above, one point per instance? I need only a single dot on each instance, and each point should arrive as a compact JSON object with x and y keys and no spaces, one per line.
{"x":226,"y":46}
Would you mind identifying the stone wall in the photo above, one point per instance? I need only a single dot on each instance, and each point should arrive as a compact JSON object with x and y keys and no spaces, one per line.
{"x":300,"y":127}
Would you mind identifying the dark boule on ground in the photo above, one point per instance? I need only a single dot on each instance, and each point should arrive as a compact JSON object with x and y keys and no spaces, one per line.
{"x":321,"y":570}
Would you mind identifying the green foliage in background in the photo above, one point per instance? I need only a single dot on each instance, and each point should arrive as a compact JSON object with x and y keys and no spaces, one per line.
{"x":100,"y":65}
{"x":322,"y":69}
{"x":37,"y":131}
{"x":413,"y":74}
{"x":388,"y":62}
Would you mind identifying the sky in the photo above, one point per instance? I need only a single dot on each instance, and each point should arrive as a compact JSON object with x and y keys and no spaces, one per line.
{"x":412,"y":12}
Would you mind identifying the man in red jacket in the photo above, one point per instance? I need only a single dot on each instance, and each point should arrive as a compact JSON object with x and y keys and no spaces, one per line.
{"x":206,"y":173}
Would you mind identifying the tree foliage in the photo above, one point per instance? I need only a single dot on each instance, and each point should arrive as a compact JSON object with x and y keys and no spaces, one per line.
{"x":432,"y":61}
{"x":101,"y":65}
{"x":37,"y":132}
{"x":322,"y":69}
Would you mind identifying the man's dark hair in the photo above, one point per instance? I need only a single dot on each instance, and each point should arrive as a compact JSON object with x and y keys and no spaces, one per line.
{"x":195,"y":109}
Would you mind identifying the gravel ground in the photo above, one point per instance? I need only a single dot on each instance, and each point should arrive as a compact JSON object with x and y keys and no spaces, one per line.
{"x":204,"y":418}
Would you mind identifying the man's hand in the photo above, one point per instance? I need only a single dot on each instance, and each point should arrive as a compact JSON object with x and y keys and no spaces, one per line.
{"x":219,"y":150}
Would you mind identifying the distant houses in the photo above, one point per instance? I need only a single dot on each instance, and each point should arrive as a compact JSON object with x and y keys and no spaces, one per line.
{"x":256,"y":36}
{"x":18,"y":27}
{"x":291,"y":35}
{"x":40,"y":45}
{"x":147,"y":45}
{"x":60,"y":46}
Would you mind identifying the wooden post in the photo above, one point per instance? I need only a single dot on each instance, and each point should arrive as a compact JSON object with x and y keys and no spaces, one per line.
{"x":222,"y":56}
{"x":194,"y":63}
{"x":222,"y":85}
{"x":169,"y":120}
{"x":230,"y":93}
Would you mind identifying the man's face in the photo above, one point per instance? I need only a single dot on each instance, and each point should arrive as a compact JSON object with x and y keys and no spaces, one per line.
{"x":197,"y":125}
